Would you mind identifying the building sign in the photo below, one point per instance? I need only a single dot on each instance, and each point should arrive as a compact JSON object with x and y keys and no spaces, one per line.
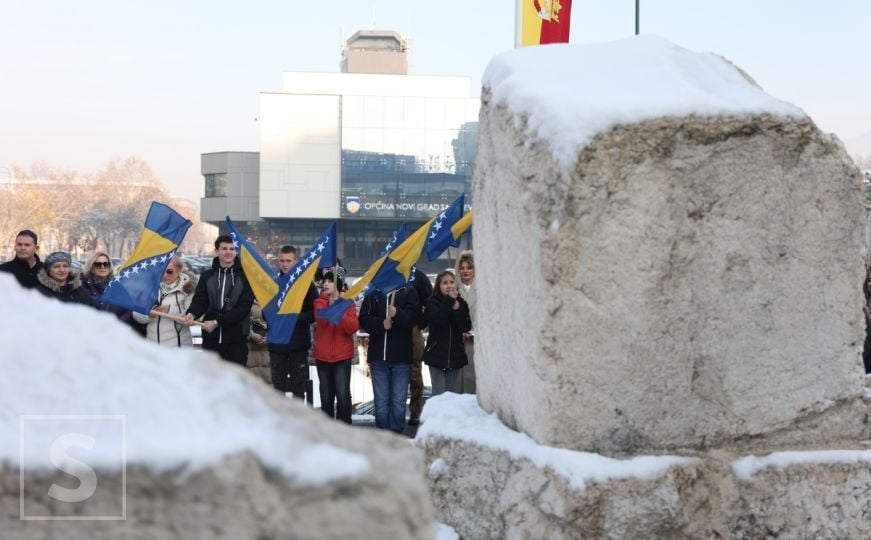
{"x":375,"y":207}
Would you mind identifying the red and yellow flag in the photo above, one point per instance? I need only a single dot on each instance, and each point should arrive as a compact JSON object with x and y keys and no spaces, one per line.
{"x":543,"y":21}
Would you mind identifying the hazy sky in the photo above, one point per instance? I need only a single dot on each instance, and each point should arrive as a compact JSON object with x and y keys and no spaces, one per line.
{"x":84,"y":82}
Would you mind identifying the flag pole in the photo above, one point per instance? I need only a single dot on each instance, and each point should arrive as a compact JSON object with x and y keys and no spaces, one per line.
{"x":177,"y":318}
{"x":637,"y":20}
{"x":518,"y":24}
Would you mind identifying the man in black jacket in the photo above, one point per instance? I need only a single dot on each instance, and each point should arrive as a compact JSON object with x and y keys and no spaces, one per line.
{"x":223,"y":298}
{"x":388,"y":319}
{"x":289,"y":362}
{"x":26,"y":264}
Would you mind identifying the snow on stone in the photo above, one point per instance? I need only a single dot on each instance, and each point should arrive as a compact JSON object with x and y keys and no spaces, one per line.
{"x":459,"y":417}
{"x":570,"y":93}
{"x":445,"y":532}
{"x":746,"y":467}
{"x":183,"y":409}
{"x":437,"y":467}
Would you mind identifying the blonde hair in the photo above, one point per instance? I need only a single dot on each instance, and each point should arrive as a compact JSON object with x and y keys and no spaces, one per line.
{"x":468,"y":257}
{"x":87,"y":268}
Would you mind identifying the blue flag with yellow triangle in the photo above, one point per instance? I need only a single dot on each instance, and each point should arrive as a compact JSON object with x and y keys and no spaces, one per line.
{"x":136,"y":285}
{"x":261,"y":276}
{"x":293,"y":286}
{"x":362,"y":287}
{"x":441,"y":234}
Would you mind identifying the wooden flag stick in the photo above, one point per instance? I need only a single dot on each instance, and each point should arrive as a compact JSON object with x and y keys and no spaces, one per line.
{"x":177,"y":318}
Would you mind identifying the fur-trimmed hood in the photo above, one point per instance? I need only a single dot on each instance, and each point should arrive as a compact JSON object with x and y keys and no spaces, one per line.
{"x":74,"y":281}
{"x":185,"y":283}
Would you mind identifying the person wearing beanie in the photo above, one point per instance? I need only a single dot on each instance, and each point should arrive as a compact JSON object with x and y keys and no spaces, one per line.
{"x":334,"y":349}
{"x":57,"y":280}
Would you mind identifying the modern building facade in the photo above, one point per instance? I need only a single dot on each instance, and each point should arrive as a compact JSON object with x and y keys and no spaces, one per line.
{"x":370,"y":149}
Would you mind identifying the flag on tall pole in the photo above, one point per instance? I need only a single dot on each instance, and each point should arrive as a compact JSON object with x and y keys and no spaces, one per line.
{"x":283,"y":311}
{"x":441,"y":235}
{"x":538,"y":22}
{"x":136,"y":285}
{"x":261,"y":276}
{"x":365,"y":284}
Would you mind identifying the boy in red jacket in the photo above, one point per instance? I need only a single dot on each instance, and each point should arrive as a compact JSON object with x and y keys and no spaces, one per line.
{"x":334,"y":349}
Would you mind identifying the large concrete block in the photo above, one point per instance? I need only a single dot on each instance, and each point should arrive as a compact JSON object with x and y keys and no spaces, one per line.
{"x":685,"y":282}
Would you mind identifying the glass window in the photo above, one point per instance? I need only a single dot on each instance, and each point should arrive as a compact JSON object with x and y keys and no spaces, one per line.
{"x":394,"y":108}
{"x":411,"y":169}
{"x":352,"y":112}
{"x":414,"y":112}
{"x":216,"y":185}
{"x":373,"y":111}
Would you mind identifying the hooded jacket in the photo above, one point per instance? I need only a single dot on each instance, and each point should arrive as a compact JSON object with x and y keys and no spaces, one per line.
{"x":177,"y":297}
{"x":394,"y":345}
{"x":444,"y":345}
{"x":223,"y":295}
{"x":334,"y":343}
{"x":66,"y":292}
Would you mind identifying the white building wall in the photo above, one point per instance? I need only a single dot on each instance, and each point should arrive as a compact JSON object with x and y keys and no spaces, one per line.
{"x":371,"y":84}
{"x":300,"y":156}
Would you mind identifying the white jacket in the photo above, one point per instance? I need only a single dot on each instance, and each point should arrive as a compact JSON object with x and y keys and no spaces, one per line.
{"x":168,"y":333}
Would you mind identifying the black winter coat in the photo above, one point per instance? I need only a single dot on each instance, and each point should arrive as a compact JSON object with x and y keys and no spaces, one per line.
{"x":25,"y":275}
{"x":444,"y":346}
{"x":231,"y":309}
{"x":423,"y":287}
{"x":394,"y":345}
{"x":68,"y":292}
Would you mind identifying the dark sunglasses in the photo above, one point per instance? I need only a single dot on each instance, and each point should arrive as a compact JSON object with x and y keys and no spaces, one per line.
{"x":169,"y":271}
{"x":101,"y":264}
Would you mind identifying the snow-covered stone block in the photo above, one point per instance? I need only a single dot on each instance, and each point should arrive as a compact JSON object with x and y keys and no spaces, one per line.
{"x":488,"y":481}
{"x":667,"y":256}
{"x":204,"y":449}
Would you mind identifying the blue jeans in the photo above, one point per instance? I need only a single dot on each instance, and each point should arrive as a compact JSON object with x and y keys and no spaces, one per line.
{"x":390,"y":386}
{"x":335,"y":388}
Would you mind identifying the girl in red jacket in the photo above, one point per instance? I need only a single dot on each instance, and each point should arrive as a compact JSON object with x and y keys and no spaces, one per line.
{"x":334,"y":349}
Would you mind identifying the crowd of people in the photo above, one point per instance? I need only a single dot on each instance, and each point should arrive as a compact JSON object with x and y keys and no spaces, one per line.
{"x":222,"y":302}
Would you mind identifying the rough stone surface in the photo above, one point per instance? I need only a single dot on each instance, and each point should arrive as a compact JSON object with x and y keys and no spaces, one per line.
{"x":240,"y":498}
{"x":690,"y":283}
{"x":484,"y":493}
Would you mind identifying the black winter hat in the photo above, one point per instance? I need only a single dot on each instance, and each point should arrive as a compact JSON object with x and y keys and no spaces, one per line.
{"x":339,"y":280}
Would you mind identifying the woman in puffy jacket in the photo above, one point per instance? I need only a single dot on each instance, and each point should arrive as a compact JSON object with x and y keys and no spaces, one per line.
{"x":334,"y":350}
{"x":174,"y":298}
{"x":447,"y":315}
